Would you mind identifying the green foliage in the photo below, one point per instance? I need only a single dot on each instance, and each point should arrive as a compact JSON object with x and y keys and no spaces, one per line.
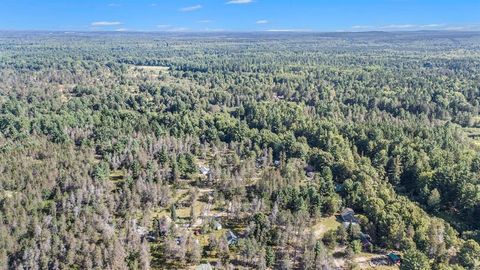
{"x":414,"y":260}
{"x":469,"y":255}
{"x":100,"y":133}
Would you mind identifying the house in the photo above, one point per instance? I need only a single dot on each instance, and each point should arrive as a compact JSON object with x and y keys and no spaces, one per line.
{"x":204,"y":170}
{"x":276,"y":163}
{"x":394,"y":258}
{"x":348,"y":215}
{"x":231,"y":238}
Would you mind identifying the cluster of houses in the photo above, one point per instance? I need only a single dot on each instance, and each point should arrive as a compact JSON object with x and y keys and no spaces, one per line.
{"x":262,"y":161}
{"x":349,"y":219}
{"x":162,"y":228}
{"x":232,"y":239}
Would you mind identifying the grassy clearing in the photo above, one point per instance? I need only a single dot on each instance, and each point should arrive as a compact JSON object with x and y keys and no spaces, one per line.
{"x":324,"y":225}
{"x":153,"y":68}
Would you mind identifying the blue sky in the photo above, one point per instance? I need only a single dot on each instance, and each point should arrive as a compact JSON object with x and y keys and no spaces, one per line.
{"x":239,"y":15}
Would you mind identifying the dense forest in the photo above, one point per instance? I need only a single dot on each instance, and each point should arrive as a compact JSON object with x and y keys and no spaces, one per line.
{"x":240,"y":151}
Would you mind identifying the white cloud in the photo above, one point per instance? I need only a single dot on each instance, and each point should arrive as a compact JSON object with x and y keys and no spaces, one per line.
{"x":121,"y":29}
{"x":398,"y":26}
{"x":393,"y":27}
{"x":288,"y":30}
{"x":261,"y":22}
{"x":412,"y":26}
{"x":204,"y":21}
{"x":239,"y":2}
{"x":213,"y":30}
{"x":361,"y":27}
{"x":171,"y":28}
{"x":190,"y":8}
{"x":433,"y":25}
{"x":177,"y":29}
{"x":457,"y":28}
{"x":104,"y":23}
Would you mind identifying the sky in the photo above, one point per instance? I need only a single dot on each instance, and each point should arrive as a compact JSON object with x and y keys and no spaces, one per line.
{"x":239,"y":15}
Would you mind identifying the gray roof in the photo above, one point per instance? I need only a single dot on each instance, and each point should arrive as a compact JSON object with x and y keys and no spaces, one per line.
{"x":348,"y":215}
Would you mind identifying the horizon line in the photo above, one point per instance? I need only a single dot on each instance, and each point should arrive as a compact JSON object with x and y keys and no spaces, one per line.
{"x":238,"y":31}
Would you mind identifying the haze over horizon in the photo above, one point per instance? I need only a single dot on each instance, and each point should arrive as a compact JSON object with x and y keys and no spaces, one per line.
{"x":240,"y":15}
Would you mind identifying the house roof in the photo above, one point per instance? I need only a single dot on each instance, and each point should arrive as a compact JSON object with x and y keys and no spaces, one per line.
{"x":347,"y":211}
{"x":348,"y":215}
{"x":393,"y":257}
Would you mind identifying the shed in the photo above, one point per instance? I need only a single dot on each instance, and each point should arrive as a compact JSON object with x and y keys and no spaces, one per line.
{"x":394,"y":258}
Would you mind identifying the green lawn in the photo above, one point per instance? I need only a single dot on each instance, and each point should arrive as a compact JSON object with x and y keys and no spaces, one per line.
{"x":324,"y":225}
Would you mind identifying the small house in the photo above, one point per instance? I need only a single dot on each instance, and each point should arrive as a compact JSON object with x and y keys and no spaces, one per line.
{"x":232,"y":239}
{"x":393,"y":258}
{"x":348,"y":215}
